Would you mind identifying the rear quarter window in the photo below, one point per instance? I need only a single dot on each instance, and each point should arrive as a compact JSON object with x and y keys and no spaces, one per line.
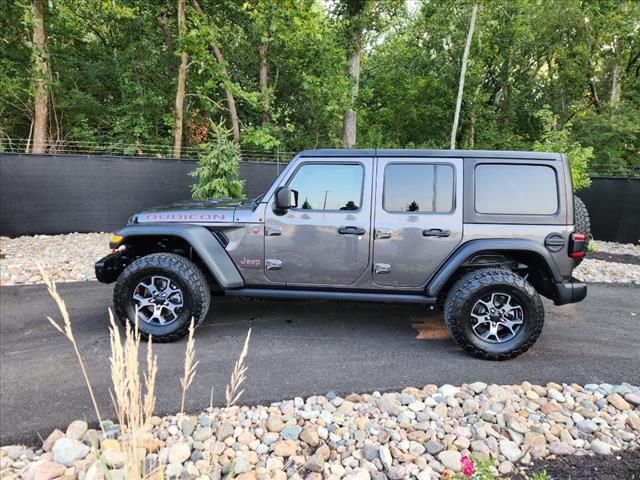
{"x":505,"y":189}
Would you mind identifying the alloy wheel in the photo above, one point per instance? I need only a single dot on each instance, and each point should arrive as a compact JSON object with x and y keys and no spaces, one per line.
{"x":497,"y":318}
{"x":158,"y":300}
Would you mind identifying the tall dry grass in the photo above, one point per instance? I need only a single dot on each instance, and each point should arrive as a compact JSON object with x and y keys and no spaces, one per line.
{"x":238,"y":376}
{"x":189,"y":366}
{"x":67,"y":331}
{"x":134,"y":408}
{"x":133,"y":388}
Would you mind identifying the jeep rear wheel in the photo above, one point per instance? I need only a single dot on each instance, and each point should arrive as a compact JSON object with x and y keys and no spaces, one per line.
{"x":494,"y":314}
{"x":165,"y":291}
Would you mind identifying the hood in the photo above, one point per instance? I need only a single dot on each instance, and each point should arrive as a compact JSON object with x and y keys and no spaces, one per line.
{"x":191,"y":211}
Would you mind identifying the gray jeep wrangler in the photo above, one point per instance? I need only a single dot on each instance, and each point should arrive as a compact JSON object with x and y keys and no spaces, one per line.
{"x":481,"y":234}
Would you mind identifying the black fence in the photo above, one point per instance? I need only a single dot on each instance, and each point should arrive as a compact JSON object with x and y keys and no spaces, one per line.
{"x":49,"y":194}
{"x":614,"y":208}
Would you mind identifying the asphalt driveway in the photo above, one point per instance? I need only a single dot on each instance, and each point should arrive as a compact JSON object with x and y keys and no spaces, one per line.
{"x":297,"y":348}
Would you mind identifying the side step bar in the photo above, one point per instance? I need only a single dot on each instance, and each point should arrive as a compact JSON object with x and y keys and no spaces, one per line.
{"x":329,"y":295}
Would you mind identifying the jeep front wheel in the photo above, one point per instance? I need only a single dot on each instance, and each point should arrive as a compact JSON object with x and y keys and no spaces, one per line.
{"x":165,"y":291}
{"x":494,"y":314}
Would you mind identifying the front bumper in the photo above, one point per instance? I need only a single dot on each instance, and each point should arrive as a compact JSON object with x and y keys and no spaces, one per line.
{"x":109,"y":268}
{"x":571,"y":291}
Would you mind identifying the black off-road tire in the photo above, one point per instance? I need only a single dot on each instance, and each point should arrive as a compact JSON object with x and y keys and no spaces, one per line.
{"x":582,"y":223}
{"x":472,"y":287}
{"x":180,"y":270}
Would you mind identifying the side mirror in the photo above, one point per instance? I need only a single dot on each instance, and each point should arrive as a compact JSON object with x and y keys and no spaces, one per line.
{"x":286,"y":198}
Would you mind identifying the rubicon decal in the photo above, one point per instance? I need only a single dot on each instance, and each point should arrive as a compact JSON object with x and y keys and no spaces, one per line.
{"x":182,"y":217}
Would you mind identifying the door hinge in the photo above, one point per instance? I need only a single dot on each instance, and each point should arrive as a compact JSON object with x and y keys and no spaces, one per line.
{"x":273,"y":264}
{"x":382,"y":268}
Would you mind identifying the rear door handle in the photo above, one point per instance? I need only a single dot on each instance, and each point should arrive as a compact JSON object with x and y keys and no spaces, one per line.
{"x":351,"y":231}
{"x":435,"y":232}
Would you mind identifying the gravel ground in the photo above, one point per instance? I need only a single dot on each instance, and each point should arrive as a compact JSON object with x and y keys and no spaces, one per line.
{"x":616,"y":248}
{"x":417,"y":433}
{"x":607,"y":272}
{"x":592,"y":270}
{"x":70,"y":258}
{"x":67,"y":258}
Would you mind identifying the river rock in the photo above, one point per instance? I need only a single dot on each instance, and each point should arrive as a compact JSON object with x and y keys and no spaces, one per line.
{"x":67,"y":451}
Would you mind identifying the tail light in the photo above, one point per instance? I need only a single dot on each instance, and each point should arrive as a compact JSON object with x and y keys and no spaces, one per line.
{"x":577,"y":245}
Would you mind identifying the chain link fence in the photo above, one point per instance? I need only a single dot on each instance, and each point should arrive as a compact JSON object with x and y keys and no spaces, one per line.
{"x":282,"y":157}
{"x":22,"y":145}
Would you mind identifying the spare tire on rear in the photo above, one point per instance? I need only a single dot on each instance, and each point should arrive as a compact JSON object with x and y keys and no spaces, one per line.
{"x":581,"y":222}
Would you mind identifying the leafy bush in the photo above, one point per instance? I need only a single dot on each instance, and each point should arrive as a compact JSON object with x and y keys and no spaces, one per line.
{"x":217,"y":170}
{"x":560,"y":140}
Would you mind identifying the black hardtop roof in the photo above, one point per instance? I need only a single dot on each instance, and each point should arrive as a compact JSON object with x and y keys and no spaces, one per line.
{"x":430,"y":153}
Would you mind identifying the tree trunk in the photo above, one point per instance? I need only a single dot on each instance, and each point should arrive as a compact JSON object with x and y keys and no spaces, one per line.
{"x":231,"y":101}
{"x":615,"y":87}
{"x":264,"y":82}
{"x":168,"y":41}
{"x":463,"y":71}
{"x":349,"y":121}
{"x":41,"y":118}
{"x":182,"y":80}
{"x":594,"y":94}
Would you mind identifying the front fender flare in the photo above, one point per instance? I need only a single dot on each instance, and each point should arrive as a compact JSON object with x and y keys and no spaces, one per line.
{"x":467,"y":250}
{"x":206,"y":245}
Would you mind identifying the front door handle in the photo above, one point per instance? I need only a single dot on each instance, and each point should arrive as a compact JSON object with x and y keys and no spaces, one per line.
{"x":351,"y":231}
{"x":435,"y":232}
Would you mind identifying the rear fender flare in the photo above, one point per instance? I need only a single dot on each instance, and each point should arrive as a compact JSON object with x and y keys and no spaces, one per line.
{"x":469,"y":249}
{"x":205,"y":244}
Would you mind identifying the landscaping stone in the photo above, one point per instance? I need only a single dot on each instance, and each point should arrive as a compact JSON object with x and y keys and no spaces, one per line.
{"x":417,"y":433}
{"x":450,"y":459}
{"x":77,"y":429}
{"x":315,"y":463}
{"x":600,"y":447}
{"x":67,"y":450}
{"x":179,"y":453}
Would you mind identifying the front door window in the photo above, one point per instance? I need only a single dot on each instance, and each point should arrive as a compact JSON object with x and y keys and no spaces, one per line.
{"x":328,"y":187}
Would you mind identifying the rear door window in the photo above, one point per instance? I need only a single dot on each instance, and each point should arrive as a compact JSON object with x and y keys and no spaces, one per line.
{"x":516,"y":189}
{"x":420,"y":188}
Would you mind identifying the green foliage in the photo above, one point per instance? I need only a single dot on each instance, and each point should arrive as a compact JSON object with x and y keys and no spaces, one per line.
{"x":554,"y":139}
{"x":217,"y":170}
{"x":114,"y":74}
{"x":540,"y":476}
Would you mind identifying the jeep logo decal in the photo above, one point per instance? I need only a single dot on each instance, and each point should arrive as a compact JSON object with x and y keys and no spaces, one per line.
{"x":250,"y":262}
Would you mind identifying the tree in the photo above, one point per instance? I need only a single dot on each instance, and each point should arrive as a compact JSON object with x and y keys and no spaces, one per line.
{"x":182,"y":81}
{"x":217,"y":169}
{"x":463,"y":70}
{"x":354,"y":9}
{"x":117,"y":72}
{"x":359,"y":17}
{"x":226,"y":80}
{"x":40,"y":53}
{"x":555,"y":139}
